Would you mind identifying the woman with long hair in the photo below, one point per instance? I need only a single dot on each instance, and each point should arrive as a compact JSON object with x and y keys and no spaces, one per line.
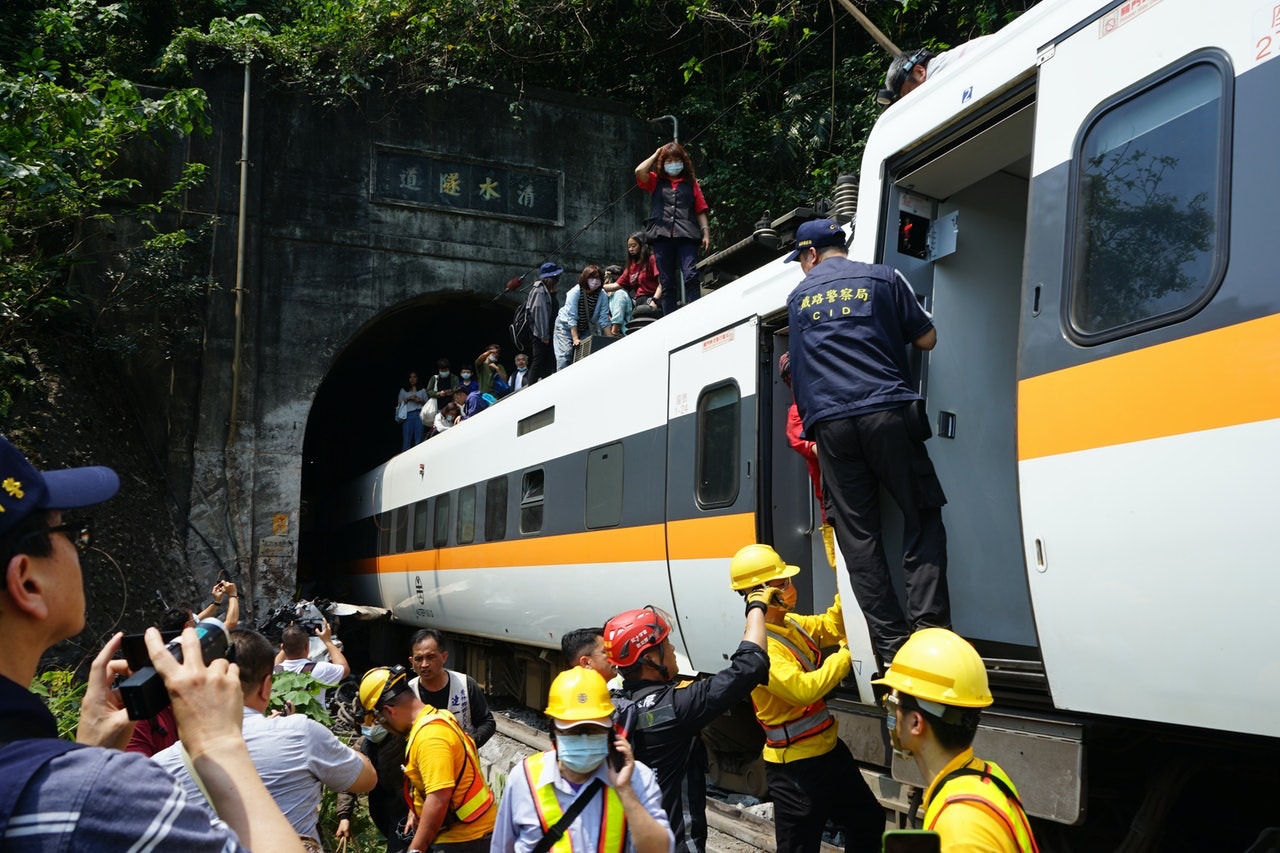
{"x":408,"y":405}
{"x":584,"y":313}
{"x":677,"y":223}
{"x":640,"y":278}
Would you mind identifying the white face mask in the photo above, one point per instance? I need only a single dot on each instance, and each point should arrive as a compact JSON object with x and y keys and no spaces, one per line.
{"x":673,"y":167}
{"x":593,"y":283}
{"x":444,"y":374}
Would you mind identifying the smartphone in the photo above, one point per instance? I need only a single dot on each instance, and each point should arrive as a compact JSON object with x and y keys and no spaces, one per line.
{"x":616,"y":759}
{"x":912,"y":841}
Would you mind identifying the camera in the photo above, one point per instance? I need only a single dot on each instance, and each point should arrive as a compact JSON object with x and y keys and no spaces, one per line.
{"x":144,"y":693}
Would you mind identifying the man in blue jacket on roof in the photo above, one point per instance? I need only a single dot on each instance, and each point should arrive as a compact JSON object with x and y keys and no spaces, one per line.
{"x":851,"y":326}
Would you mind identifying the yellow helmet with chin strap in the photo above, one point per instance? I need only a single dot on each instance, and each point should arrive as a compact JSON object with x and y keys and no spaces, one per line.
{"x":577,"y":695}
{"x":940,"y":666}
{"x":380,"y":685}
{"x":756,"y":564}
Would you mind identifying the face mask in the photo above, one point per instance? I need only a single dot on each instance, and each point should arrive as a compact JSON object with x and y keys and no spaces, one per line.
{"x":522,"y":368}
{"x":892,"y":723}
{"x":493,"y":359}
{"x":789,"y":597}
{"x":374,"y":734}
{"x":465,"y":376}
{"x":444,"y":374}
{"x":593,"y":283}
{"x":673,"y":167}
{"x":582,"y":753}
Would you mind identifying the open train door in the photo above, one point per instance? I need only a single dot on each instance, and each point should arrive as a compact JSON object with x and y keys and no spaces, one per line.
{"x":711,"y":490}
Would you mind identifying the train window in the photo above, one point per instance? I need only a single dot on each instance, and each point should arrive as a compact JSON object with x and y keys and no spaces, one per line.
{"x":1149,"y":242}
{"x":537,"y":420}
{"x":386,"y":527}
{"x":495,"y":509}
{"x":718,"y":446}
{"x":604,"y":486}
{"x":466,"y":515}
{"x":440,"y":537}
{"x":402,"y":529}
{"x":531,"y":499}
{"x":420,"y":526}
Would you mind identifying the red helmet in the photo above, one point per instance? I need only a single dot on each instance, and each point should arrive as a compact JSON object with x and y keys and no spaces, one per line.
{"x":629,"y":634}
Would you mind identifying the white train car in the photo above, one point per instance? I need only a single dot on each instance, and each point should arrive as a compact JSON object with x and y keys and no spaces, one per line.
{"x":1081,"y":202}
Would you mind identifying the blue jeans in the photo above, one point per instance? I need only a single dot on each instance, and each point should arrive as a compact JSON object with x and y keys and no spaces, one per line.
{"x":677,"y":258}
{"x":412,"y":428}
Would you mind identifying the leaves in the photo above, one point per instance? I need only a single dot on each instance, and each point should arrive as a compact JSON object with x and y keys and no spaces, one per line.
{"x":302,"y":691}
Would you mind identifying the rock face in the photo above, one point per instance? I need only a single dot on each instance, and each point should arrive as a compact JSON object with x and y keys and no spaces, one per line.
{"x":378,"y":237}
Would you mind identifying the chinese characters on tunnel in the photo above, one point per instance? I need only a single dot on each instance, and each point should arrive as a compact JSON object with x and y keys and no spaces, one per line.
{"x":485,"y":188}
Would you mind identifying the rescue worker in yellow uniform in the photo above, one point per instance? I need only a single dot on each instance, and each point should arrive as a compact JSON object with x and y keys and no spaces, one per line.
{"x":811,"y":774}
{"x":587,"y":794}
{"x":452,"y":809}
{"x":939,"y":688}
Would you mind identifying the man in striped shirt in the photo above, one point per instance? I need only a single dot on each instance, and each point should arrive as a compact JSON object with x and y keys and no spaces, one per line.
{"x":90,"y":795}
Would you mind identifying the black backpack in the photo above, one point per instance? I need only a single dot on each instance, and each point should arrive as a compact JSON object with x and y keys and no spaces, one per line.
{"x":521,"y":328}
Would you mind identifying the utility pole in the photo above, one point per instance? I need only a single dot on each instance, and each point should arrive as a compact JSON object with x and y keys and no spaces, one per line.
{"x":872,"y":29}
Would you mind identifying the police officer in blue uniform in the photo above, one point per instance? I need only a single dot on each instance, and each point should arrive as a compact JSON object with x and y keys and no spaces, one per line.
{"x":851,"y":325}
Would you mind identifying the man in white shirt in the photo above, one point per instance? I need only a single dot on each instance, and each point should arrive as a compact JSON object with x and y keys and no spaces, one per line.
{"x":294,"y":755}
{"x":295,"y":643}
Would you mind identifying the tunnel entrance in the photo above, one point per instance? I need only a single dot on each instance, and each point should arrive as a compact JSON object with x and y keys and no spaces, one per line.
{"x":352,"y":428}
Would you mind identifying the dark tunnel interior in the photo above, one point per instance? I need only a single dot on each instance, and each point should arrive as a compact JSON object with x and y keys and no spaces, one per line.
{"x":352,"y":428}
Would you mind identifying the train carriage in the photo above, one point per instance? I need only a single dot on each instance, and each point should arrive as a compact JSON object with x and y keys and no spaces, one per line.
{"x":1081,"y":202}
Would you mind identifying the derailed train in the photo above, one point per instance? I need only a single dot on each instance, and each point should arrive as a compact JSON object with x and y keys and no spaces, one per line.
{"x":1081,"y":203}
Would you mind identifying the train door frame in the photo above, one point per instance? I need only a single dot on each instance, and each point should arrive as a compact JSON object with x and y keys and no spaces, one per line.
{"x":702,"y":533}
{"x":967,"y":188}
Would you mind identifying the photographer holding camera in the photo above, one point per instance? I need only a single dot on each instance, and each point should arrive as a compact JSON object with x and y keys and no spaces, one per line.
{"x":295,"y":645}
{"x":89,"y":795}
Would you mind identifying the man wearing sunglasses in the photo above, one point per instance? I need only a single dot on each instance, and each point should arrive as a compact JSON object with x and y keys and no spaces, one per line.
{"x":90,"y":795}
{"x":937,"y":690}
{"x":453,"y":809}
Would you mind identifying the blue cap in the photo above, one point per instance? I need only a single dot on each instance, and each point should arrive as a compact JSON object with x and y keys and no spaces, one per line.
{"x":24,"y":490}
{"x":817,"y":233}
{"x":549,"y":270}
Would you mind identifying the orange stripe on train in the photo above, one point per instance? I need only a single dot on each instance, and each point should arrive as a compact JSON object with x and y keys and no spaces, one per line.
{"x":1217,"y":379}
{"x":690,"y":539}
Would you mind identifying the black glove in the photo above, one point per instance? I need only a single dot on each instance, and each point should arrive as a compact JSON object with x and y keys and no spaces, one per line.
{"x":763,"y":598}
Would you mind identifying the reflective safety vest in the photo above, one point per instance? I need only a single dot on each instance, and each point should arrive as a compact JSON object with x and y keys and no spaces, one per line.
{"x":810,"y":720}
{"x":468,"y":805}
{"x":612,"y":834}
{"x":990,"y":789}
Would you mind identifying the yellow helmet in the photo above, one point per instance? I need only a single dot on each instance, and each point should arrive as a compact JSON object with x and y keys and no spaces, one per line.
{"x":382,"y":684}
{"x":757,"y":564}
{"x":579,"y":694}
{"x":937,"y":665}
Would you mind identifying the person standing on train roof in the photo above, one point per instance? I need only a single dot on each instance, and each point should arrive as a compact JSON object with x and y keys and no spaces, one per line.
{"x":677,"y":223}
{"x":521,"y":377}
{"x":453,"y":809}
{"x":811,"y":774}
{"x":452,"y":691}
{"x":938,"y":688}
{"x":489,"y":371}
{"x":542,"y":309}
{"x":851,"y":325}
{"x":671,"y":712}
{"x":605,"y":806}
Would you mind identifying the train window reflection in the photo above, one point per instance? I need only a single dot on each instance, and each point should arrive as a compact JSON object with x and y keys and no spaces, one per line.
{"x":466,"y":515}
{"x":718,"y":442}
{"x":420,"y":526}
{"x":386,"y":525}
{"x":1149,"y":239}
{"x":531,"y":499}
{"x":604,"y":486}
{"x":402,"y":529}
{"x":495,"y":509}
{"x":440,"y":537}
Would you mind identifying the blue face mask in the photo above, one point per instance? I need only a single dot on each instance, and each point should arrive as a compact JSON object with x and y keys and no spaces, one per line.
{"x":673,"y":167}
{"x":444,"y":374}
{"x":522,"y":368}
{"x":582,"y":753}
{"x":374,"y":734}
{"x":465,"y":376}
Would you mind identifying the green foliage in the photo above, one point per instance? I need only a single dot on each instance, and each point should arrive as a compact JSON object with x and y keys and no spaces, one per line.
{"x":62,"y":691}
{"x":66,"y":117}
{"x":301,"y":690}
